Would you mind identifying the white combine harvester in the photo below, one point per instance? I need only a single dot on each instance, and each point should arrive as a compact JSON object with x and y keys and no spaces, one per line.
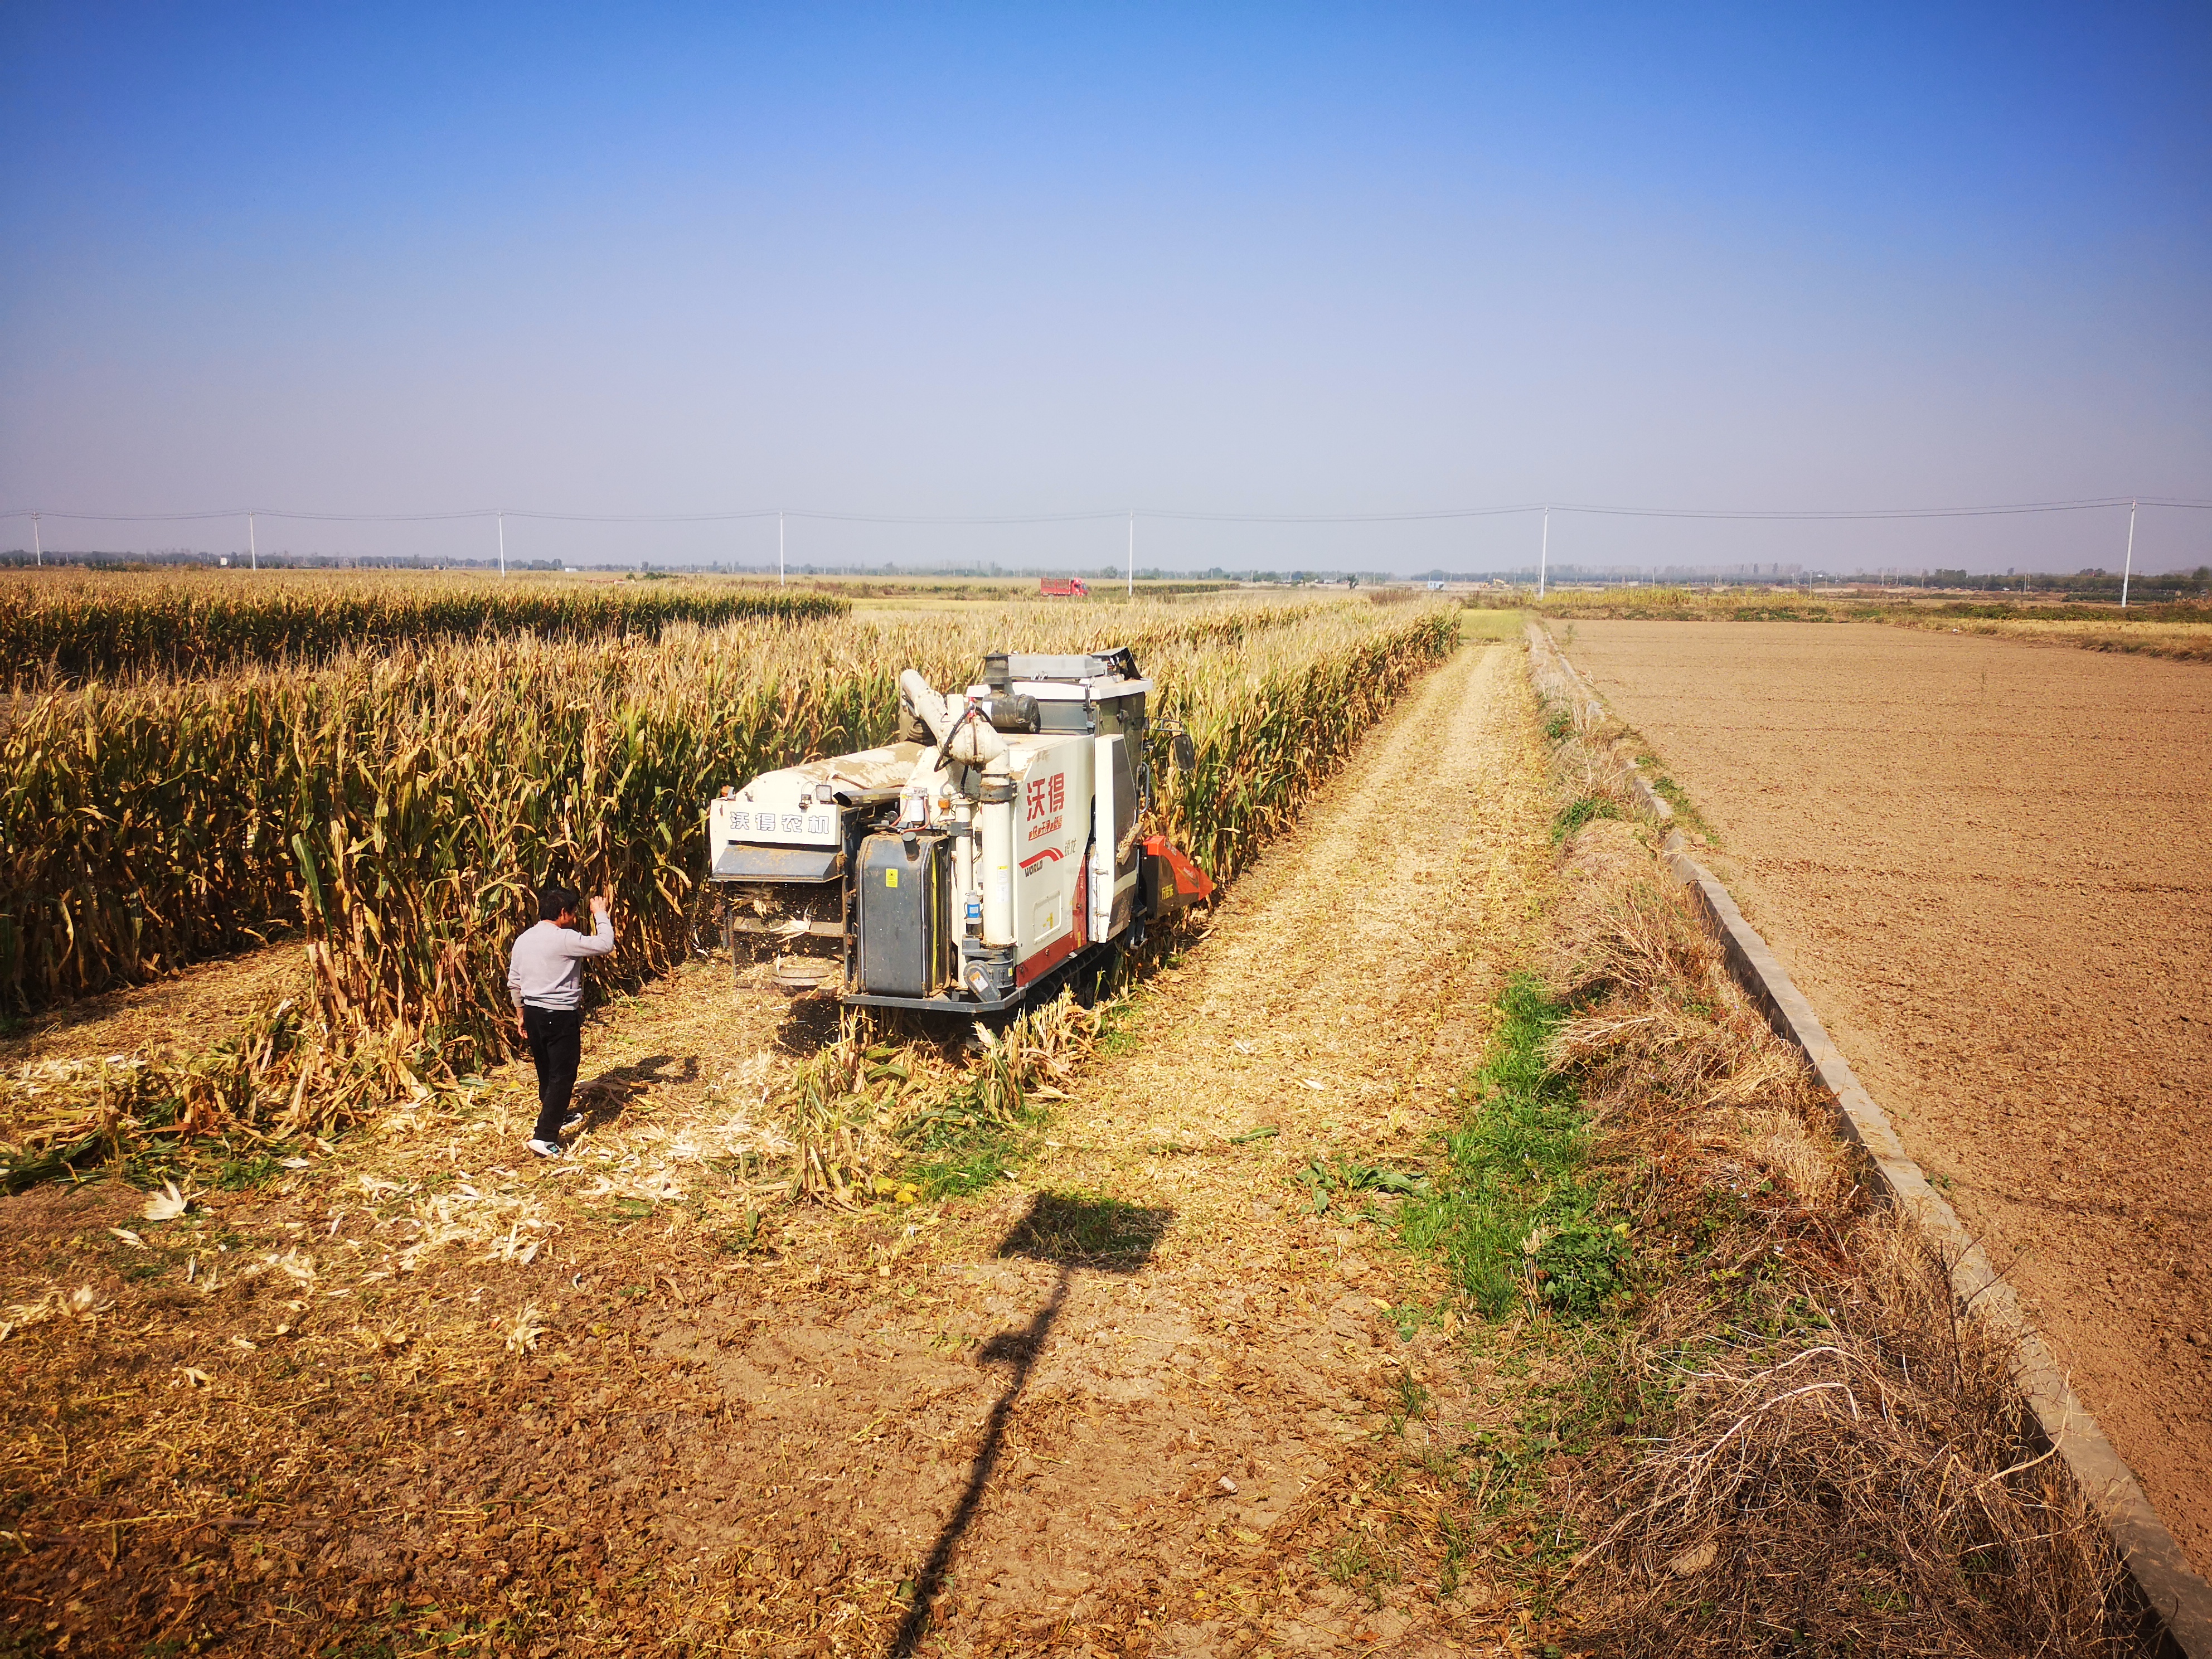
{"x":993,"y":854}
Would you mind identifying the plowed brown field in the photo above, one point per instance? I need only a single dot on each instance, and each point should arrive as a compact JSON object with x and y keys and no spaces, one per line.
{"x":1990,"y":865}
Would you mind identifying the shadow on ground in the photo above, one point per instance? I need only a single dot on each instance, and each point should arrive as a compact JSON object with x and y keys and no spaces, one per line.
{"x":602,"y":1100}
{"x":1075,"y":1233}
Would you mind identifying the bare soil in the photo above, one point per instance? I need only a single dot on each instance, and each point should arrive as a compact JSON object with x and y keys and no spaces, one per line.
{"x":1989,"y":866}
{"x":1136,"y":1398}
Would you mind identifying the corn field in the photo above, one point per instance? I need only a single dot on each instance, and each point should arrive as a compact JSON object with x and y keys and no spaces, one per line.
{"x":402,"y":809}
{"x":1276,"y":719}
{"x":111,"y":626}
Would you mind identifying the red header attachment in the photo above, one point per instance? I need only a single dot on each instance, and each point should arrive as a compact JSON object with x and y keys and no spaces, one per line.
{"x":1179,"y":881}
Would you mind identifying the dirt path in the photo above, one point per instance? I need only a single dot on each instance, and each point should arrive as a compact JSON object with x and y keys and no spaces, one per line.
{"x":1990,"y":865}
{"x":1126,"y":1403}
{"x":1133,"y":1401}
{"x":1192,"y":1428}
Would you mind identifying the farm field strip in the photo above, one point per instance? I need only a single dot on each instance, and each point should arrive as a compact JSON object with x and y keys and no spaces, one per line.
{"x":491,"y":1437}
{"x":2180,"y":628}
{"x":1988,"y":867}
{"x":403,"y":806}
{"x":111,"y":627}
{"x":1139,"y":1386}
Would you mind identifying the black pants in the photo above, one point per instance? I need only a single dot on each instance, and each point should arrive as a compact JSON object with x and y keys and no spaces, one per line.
{"x":556,"y":1045}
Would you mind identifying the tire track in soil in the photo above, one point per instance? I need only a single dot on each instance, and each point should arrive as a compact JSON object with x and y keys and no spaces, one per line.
{"x":1166,"y":1449}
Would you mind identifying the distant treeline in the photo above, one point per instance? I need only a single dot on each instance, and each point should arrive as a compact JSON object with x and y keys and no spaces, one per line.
{"x":887,"y":570}
{"x":158,"y":626}
{"x":2084,"y":584}
{"x":2087,"y":587}
{"x":1783,"y":604}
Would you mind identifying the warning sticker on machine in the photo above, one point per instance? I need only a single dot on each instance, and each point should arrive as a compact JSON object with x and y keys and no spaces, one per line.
{"x":890,"y":878}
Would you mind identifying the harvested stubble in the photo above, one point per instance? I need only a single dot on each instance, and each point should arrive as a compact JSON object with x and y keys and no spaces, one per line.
{"x":1836,"y":1457}
{"x":402,"y":807}
{"x":124,"y":626}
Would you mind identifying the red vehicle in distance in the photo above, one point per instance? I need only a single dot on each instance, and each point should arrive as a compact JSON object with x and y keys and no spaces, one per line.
{"x":1062,"y":587}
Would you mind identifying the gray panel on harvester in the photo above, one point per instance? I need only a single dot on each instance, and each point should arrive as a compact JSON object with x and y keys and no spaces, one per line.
{"x":901,"y":911}
{"x":742,"y":862}
{"x":1036,"y":665}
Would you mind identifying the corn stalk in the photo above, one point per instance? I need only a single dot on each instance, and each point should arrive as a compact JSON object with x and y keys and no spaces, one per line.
{"x":129,"y":625}
{"x":400,"y":809}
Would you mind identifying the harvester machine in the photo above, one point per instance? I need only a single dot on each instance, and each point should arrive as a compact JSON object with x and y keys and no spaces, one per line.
{"x":1000,"y":848}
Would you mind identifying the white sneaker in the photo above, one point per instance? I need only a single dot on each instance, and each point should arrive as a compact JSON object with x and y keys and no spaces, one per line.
{"x":544,"y":1148}
{"x":573,"y":1124}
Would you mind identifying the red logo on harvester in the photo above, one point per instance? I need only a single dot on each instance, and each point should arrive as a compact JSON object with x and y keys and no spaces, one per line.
{"x":1047,"y":795}
{"x":1047,"y":798}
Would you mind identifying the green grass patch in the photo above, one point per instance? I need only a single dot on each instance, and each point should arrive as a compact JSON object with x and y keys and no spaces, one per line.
{"x":1484,"y":625}
{"x":1119,"y":1027}
{"x":1578,"y":813}
{"x":1118,"y":1043}
{"x":1514,"y":1208}
{"x":1412,"y":1400}
{"x":1685,"y":809}
{"x":1333,"y":1178}
{"x":70,"y":1162}
{"x":961,"y":1145}
{"x":743,"y":1239}
{"x":960,"y":1148}
{"x":148,"y":1164}
{"x":236,"y":1174}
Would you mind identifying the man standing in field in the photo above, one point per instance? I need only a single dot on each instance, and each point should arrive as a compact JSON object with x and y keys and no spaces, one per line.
{"x":545,"y":977}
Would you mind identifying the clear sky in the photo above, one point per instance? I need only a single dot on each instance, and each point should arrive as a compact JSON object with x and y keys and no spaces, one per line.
{"x":968,"y":260}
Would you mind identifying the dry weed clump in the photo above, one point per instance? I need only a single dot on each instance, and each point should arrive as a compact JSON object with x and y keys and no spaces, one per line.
{"x":859,"y":1109}
{"x":1588,"y":770}
{"x":1830,"y":1456}
{"x":1868,"y":1487}
{"x":1656,"y":1021}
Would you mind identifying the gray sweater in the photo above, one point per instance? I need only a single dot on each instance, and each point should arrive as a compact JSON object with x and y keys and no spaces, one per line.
{"x":546,"y":970}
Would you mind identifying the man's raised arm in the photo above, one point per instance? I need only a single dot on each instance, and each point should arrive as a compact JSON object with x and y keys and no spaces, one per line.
{"x":603,"y":930}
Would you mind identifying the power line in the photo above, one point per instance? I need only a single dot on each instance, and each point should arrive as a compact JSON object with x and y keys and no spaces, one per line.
{"x":1337,"y":518}
{"x":1865,"y":515}
{"x":1165,"y":514}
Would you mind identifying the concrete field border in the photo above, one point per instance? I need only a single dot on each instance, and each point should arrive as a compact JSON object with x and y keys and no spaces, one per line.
{"x":2176,"y":1597}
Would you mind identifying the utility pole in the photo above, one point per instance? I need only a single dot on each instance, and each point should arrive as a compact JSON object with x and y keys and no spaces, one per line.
{"x":1543,"y":554}
{"x":38,"y":549}
{"x":2128,"y":568}
{"x":503,"y":541}
{"x":1131,"y":590}
{"x":778,"y":548}
{"x":252,"y":549}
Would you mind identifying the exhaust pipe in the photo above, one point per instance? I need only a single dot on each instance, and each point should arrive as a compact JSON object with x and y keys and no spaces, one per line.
{"x":998,"y":816}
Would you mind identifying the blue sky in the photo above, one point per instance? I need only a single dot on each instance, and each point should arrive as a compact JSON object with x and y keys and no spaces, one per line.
{"x":968,"y":260}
